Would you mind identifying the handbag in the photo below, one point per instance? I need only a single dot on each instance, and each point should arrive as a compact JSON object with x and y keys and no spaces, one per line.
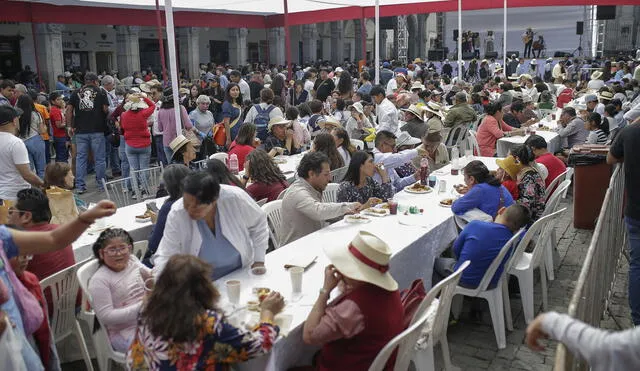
{"x":411,"y":299}
{"x":30,"y":309}
{"x":220,"y":132}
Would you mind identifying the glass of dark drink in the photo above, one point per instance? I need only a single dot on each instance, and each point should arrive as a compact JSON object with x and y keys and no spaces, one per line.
{"x":454,"y":171}
{"x":393,"y":207}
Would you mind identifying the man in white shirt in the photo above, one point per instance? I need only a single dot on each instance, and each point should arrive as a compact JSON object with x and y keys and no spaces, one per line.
{"x":245,"y":90}
{"x":383,"y":154}
{"x":386,"y":111}
{"x":14,"y":158}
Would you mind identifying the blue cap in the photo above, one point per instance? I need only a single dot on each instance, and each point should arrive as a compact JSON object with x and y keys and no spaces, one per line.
{"x":386,"y":64}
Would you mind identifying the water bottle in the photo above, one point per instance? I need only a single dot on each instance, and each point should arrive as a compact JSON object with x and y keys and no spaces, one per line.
{"x":424,"y":170}
{"x":233,"y":164}
{"x":454,"y":161}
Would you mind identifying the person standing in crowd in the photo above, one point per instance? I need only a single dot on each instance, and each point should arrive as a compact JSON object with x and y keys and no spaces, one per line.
{"x":245,"y":90}
{"x":626,"y":149}
{"x":358,"y":184}
{"x":190,"y":103}
{"x":267,"y":180}
{"x":111,"y":153}
{"x":59,"y":126}
{"x":156,"y":139}
{"x":167,"y":121}
{"x":86,"y":113}
{"x":323,"y":86}
{"x":31,"y":125}
{"x":303,"y":211}
{"x":571,"y":128}
{"x":232,"y":111}
{"x":386,"y":111}
{"x":137,"y":138}
{"x":201,"y":117}
{"x":260,"y":114}
{"x":7,"y":91}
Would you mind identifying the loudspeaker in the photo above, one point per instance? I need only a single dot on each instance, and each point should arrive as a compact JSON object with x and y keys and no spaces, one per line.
{"x":605,"y":12}
{"x":561,"y":54}
{"x":436,"y":55}
{"x":579,"y":28}
{"x":490,"y":55}
{"x":468,"y":55}
{"x":510,"y":53}
{"x":455,"y":35}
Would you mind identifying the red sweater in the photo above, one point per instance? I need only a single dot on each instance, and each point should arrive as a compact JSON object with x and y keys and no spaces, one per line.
{"x":554,"y":165}
{"x":383,"y":317}
{"x":241,"y":150}
{"x":42,"y":336}
{"x":135,"y":127}
{"x":269,"y":191}
{"x":56,"y":117}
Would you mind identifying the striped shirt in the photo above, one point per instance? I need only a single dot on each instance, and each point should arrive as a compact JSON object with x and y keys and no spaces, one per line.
{"x":597,"y":137}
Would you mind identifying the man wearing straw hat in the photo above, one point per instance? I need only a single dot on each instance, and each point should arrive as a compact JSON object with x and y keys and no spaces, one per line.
{"x":414,"y":121}
{"x":367,"y":315}
{"x":281,"y":136}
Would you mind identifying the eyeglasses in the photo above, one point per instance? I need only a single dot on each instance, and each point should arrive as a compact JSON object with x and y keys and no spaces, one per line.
{"x":117,"y":250}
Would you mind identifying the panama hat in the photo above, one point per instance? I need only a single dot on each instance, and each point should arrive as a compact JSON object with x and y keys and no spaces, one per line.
{"x":417,"y":85}
{"x":278,"y":120}
{"x":415,"y":110}
{"x":433,"y":107}
{"x":358,"y":107}
{"x":509,"y":165}
{"x":417,"y":61}
{"x":177,"y":143}
{"x":405,"y":139}
{"x":596,"y":75}
{"x":330,"y":121}
{"x":606,"y":95}
{"x":135,"y":102}
{"x":146,"y":86}
{"x":365,"y":259}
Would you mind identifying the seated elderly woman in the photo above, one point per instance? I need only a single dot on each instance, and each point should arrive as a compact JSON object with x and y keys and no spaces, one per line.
{"x":117,"y":287}
{"x":172,"y":178}
{"x":182,"y":328}
{"x":183,"y":151}
{"x":368,"y":313}
{"x":220,"y":224}
{"x":358,"y":184}
{"x":483,"y":191}
{"x":414,"y":121}
{"x":436,"y":151}
{"x":493,"y":128}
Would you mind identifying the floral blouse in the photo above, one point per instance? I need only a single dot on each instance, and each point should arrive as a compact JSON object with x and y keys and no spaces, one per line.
{"x":531,"y":190}
{"x":220,"y":345}
{"x":348,"y":192}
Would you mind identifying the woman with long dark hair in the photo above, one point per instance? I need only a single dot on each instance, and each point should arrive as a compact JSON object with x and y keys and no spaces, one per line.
{"x":324,"y":143}
{"x":279,"y":87}
{"x":31,"y":126}
{"x":345,"y":85}
{"x":298,"y":95}
{"x":190,"y":102}
{"x":493,"y":128}
{"x":483,"y":191}
{"x":343,"y":144}
{"x":232,"y":111}
{"x":243,"y":144}
{"x":221,"y":173}
{"x":181,"y":327}
{"x":358,"y":184}
{"x":531,"y":187}
{"x":267,"y":180}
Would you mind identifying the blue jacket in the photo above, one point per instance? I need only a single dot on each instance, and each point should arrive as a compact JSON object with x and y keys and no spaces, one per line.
{"x":484,"y":197}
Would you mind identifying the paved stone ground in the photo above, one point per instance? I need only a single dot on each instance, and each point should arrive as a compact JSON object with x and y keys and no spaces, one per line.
{"x":472,"y":341}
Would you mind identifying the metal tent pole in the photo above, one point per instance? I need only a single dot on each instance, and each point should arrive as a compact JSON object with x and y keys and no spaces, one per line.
{"x":377,"y":42}
{"x":171,"y":38}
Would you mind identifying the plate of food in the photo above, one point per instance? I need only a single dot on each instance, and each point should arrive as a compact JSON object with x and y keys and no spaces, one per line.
{"x":356,"y":219}
{"x":261,"y":293}
{"x":280,"y":160}
{"x":447,"y":202}
{"x":461,"y":188}
{"x":418,"y":188}
{"x":384,"y":205}
{"x":374,"y":211}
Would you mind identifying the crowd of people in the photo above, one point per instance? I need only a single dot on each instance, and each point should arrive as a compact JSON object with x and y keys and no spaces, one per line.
{"x":211,"y":217}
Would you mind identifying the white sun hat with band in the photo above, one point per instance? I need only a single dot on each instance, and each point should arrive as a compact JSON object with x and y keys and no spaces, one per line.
{"x":365,"y":259}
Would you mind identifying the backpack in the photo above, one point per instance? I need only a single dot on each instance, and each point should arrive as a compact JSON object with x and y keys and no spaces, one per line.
{"x":262,"y":121}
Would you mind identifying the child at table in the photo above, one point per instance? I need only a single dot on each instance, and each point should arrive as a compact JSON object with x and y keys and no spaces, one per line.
{"x":598,"y":129}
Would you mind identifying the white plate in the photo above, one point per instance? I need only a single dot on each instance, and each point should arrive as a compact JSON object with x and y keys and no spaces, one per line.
{"x":408,"y":189}
{"x":376,"y":214}
{"x":143,"y":220}
{"x":443,"y":205}
{"x":352,"y":219}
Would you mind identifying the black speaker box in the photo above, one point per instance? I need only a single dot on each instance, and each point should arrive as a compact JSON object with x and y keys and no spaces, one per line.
{"x":579,"y":28}
{"x":490,"y":55}
{"x":455,"y":34}
{"x":605,"y":12}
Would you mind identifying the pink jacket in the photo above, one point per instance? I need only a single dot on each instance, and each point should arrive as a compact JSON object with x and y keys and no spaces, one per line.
{"x":488,"y":134}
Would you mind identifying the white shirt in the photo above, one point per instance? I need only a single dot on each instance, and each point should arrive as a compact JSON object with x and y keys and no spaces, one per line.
{"x":153,"y":119}
{"x":390,"y":162}
{"x":387,"y":115}
{"x":392,"y":85}
{"x":308,"y":86}
{"x":12,"y":152}
{"x":346,"y":157}
{"x":245,"y":90}
{"x":595,"y":84}
{"x":242,"y":221}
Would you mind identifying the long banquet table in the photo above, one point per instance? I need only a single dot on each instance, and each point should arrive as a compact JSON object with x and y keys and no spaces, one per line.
{"x":554,"y":143}
{"x":415,"y":241}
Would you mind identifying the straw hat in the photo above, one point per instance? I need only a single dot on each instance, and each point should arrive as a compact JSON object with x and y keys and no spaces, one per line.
{"x":417,"y":85}
{"x":417,"y":61}
{"x":184,"y":91}
{"x":402,"y":75}
{"x":596,"y":75}
{"x":434,"y":107}
{"x":146,"y":86}
{"x":135,"y":102}
{"x":177,"y":143}
{"x":405,"y":139}
{"x":278,"y":120}
{"x":606,"y":95}
{"x":365,"y":259}
{"x":415,"y":110}
{"x":510,"y":166}
{"x":329,"y":121}
{"x":358,"y":107}
{"x":533,"y":61}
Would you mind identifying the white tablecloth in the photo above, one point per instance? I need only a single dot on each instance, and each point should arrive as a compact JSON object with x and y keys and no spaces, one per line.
{"x":414,"y":251}
{"x":504,"y":144}
{"x":288,"y":165}
{"x":125,"y":218}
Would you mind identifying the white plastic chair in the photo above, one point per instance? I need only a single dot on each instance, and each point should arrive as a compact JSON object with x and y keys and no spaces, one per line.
{"x":494,"y":296}
{"x":281,"y":195}
{"x":146,"y":181}
{"x":202,"y":164}
{"x":553,"y":185}
{"x":64,"y":290}
{"x":472,"y":142}
{"x":436,"y":329}
{"x":523,"y":264}
{"x":262,"y":202}
{"x":456,"y":136}
{"x":338,"y":174}
{"x":274,"y":220}
{"x":140,"y":248}
{"x":101,"y":342}
{"x":358,"y":144}
{"x":551,"y":207}
{"x":117,"y":191}
{"x":330,"y":194}
{"x":222,"y":156}
{"x":475,"y":125}
{"x":569,"y":175}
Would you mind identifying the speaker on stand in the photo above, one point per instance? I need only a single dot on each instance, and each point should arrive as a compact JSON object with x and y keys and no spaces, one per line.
{"x":579,"y":31}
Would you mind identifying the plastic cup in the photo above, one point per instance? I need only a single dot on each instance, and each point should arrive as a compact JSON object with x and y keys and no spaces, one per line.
{"x":432,"y":181}
{"x":233,"y":291}
{"x":442,"y":187}
{"x":296,"y":279}
{"x":393,"y":207}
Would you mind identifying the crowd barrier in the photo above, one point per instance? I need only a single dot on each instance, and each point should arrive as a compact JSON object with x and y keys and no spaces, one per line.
{"x":595,"y":283}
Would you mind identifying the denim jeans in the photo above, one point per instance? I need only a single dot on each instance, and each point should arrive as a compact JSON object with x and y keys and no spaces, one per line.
{"x":93,"y":142}
{"x":633,"y":231}
{"x":139,"y":160}
{"x":47,"y":152}
{"x":112,"y":158}
{"x":160,"y":153}
{"x":168,"y":153}
{"x":124,"y":163}
{"x":36,"y":148}
{"x":60,"y":145}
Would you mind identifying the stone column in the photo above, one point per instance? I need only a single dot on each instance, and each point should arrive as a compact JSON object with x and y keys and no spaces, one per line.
{"x":309,"y":43}
{"x":238,"y":46}
{"x":127,"y":49}
{"x":337,"y":42}
{"x":189,"y":40}
{"x":357,"y":32}
{"x":422,"y":36}
{"x":92,"y":62}
{"x":51,"y":62}
{"x":383,"y":44}
{"x":400,"y":40}
{"x":277,"y":51}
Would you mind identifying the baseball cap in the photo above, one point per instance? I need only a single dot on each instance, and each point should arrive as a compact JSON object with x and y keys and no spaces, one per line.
{"x":8,"y":113}
{"x":590,"y":98}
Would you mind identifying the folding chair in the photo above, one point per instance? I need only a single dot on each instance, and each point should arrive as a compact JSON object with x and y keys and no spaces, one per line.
{"x":330,"y":194}
{"x":274,"y":220}
{"x":337,"y":175}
